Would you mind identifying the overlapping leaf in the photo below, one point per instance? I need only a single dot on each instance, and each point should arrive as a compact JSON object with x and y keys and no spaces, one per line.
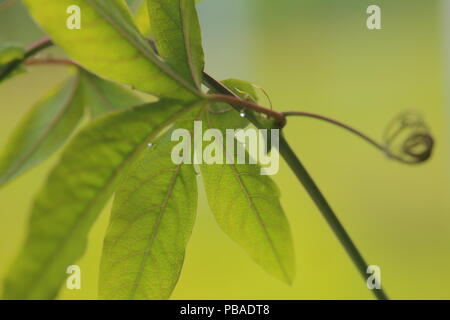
{"x":103,"y":96}
{"x":45,"y":128}
{"x":77,"y":189}
{"x":246,"y":205}
{"x":176,"y":29}
{"x":151,"y":222}
{"x":110,"y":45}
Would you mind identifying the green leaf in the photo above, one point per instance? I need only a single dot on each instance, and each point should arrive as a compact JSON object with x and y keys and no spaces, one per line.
{"x":243,"y":89}
{"x":177,"y":34}
{"x":76,"y":191}
{"x":246,"y":206}
{"x":103,"y":96}
{"x":151,"y":222}
{"x":43,"y":131}
{"x":109,"y":44}
{"x":133,"y":4}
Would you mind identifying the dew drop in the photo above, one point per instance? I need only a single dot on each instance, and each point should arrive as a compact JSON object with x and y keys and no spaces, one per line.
{"x":150,"y":145}
{"x":242,"y":114}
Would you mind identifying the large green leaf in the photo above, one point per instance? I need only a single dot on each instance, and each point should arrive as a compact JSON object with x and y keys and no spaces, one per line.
{"x":76,"y":191}
{"x":103,"y":96}
{"x":110,"y":45}
{"x":246,"y":206}
{"x":176,"y":29}
{"x":45,"y":128}
{"x":151,"y":222}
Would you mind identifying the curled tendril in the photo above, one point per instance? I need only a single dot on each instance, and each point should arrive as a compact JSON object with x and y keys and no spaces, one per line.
{"x":407,"y":138}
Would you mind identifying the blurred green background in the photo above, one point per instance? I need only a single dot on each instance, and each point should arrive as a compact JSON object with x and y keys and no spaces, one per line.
{"x":317,"y":56}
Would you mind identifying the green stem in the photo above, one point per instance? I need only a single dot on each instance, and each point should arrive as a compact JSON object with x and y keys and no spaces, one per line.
{"x":327,"y":212}
{"x":419,"y":138}
{"x":279,"y":117}
{"x":32,"y":50}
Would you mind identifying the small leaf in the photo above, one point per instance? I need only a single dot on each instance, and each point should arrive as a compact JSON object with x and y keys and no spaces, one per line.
{"x":246,"y":90}
{"x":223,"y":116}
{"x":103,"y":96}
{"x":246,"y":206}
{"x":43,"y":131}
{"x":110,"y":45}
{"x":177,"y":33}
{"x":76,"y":191}
{"x":243,"y":89}
{"x":10,"y":52}
{"x":141,"y":17}
{"x":151,"y":222}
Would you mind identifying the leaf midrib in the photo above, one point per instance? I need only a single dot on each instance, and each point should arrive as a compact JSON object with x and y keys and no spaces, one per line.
{"x":136,"y":283}
{"x":252,"y":205}
{"x":99,"y":91}
{"x":257,"y":214}
{"x":187,"y":45}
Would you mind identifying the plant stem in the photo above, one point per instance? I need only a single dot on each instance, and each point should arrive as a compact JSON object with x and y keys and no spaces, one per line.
{"x":32,"y":50}
{"x":426,"y":140}
{"x":339,"y":124}
{"x":237,"y":102}
{"x":327,"y":212}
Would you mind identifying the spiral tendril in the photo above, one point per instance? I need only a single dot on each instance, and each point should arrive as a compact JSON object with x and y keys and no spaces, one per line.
{"x":407,"y":138}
